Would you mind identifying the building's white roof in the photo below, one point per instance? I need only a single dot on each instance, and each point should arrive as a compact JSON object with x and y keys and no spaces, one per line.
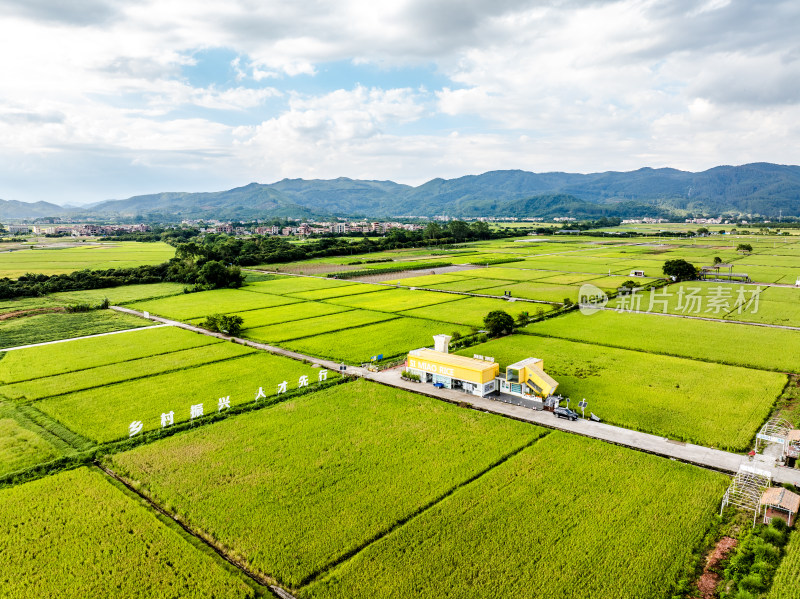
{"x":524,"y":363}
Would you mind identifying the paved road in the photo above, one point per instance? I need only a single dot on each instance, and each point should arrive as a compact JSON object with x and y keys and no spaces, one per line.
{"x":686,"y":452}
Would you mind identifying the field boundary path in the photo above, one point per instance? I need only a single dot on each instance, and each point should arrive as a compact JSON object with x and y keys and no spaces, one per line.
{"x":697,"y":455}
{"x":157,"y":326}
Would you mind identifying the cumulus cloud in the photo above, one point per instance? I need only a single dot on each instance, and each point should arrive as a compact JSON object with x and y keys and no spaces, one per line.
{"x":536,"y":84}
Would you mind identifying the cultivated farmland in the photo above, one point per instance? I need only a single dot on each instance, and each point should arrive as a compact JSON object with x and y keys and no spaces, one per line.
{"x":99,"y":256}
{"x":50,"y":327}
{"x":653,"y":393}
{"x":76,"y":535}
{"x":390,"y":338}
{"x":80,"y":354}
{"x":785,"y":584}
{"x":566,"y":518}
{"x":348,"y":463}
{"x":701,"y":340}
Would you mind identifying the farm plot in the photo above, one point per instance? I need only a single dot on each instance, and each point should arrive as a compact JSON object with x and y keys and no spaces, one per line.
{"x":657,"y":394}
{"x":390,"y":338}
{"x":566,"y":278}
{"x":469,"y":285}
{"x":432,"y":281}
{"x":115,"y":373}
{"x":472,"y":310}
{"x":219,"y":301}
{"x":104,"y":414}
{"x":504,"y":273}
{"x":536,"y":291}
{"x":693,"y":298}
{"x":785,"y":584}
{"x":315,"y":326}
{"x":49,"y":360}
{"x":76,"y":535}
{"x":297,"y":311}
{"x":20,"y":446}
{"x":778,"y":349}
{"x":51,"y":327}
{"x":774,"y":305}
{"x":58,"y":260}
{"x":293,"y":285}
{"x":394,"y":300}
{"x":351,"y":288}
{"x":566,"y":518}
{"x":118,"y":295}
{"x":348,"y":463}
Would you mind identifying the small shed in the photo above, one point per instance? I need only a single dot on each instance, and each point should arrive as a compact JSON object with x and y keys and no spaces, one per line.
{"x":780,"y":503}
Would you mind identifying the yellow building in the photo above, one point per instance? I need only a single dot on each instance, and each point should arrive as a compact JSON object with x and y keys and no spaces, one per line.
{"x":450,"y":371}
{"x":528,"y":378}
{"x":477,"y":376}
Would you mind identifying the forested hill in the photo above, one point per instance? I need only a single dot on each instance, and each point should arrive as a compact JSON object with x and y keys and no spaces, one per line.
{"x":759,"y":189}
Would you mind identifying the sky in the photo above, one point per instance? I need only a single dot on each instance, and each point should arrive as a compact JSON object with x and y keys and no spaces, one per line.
{"x":103,"y":99}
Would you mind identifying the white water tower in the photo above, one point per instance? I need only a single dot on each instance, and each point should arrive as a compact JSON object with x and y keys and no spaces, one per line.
{"x":441,"y":343}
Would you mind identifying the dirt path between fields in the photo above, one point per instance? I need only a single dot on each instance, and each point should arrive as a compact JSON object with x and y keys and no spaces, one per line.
{"x":31,"y":312}
{"x":709,"y":579}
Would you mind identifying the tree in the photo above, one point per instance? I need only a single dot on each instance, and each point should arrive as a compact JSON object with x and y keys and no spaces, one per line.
{"x":480,"y":230}
{"x":223,"y":323}
{"x":717,"y":260}
{"x":744,"y":248}
{"x":432,"y":231}
{"x":523,"y":318}
{"x":702,"y":231}
{"x":680,"y":270}
{"x":214,"y":274}
{"x":498,"y":322}
{"x":458,"y":229}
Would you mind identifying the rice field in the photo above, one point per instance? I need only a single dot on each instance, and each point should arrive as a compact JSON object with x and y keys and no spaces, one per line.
{"x":726,"y":343}
{"x":471,"y":311}
{"x":104,"y":414}
{"x":76,"y":535}
{"x":80,"y":354}
{"x":566,"y":518}
{"x":657,"y":394}
{"x":202,"y":304}
{"x":349,"y":463}
{"x":42,"y":328}
{"x":318,"y":325}
{"x":65,"y":258}
{"x":391,"y":338}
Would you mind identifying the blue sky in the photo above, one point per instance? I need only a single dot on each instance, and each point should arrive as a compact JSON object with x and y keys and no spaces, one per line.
{"x":105,"y":99}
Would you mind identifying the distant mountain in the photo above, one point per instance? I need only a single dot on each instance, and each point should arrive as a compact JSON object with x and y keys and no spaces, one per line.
{"x":242,"y":203}
{"x":16,"y":210}
{"x":759,"y":189}
{"x":342,"y":195}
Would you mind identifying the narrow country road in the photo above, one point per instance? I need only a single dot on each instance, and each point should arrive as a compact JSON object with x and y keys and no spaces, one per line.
{"x":685,"y":452}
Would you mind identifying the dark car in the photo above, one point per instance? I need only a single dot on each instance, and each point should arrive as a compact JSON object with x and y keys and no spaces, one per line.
{"x":565,"y":413}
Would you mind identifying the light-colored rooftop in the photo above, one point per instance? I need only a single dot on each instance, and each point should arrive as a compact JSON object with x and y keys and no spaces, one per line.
{"x":453,"y":359}
{"x":782,"y":498}
{"x":524,"y":363}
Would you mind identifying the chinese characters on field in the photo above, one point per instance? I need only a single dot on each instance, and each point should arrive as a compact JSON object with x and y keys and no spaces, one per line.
{"x":223,"y":403}
{"x":719,"y":300}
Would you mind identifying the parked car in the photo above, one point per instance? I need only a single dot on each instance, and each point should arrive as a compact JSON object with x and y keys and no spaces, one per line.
{"x":565,"y":413}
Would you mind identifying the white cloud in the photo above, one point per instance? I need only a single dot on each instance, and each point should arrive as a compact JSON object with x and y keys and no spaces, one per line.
{"x":561,"y":85}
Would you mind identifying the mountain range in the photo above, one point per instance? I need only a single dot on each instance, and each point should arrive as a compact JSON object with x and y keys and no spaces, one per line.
{"x":758,"y":189}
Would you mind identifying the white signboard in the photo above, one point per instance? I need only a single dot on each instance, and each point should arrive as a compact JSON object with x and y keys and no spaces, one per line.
{"x":770,"y":438}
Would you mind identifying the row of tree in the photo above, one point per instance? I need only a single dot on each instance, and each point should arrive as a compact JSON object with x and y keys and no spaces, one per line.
{"x":200,"y":274}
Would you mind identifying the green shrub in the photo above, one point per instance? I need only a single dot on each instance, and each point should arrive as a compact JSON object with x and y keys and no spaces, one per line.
{"x":223,"y":323}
